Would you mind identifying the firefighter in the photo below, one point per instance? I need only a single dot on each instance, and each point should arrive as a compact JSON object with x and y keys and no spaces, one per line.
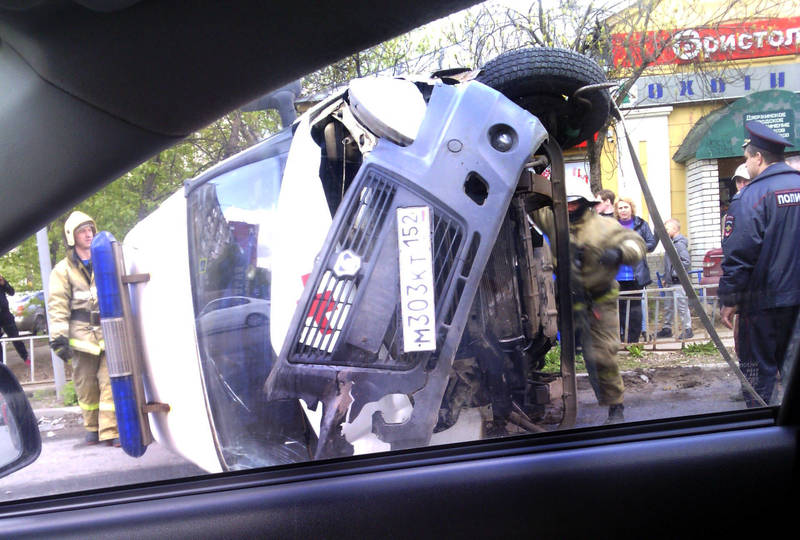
{"x":598,"y":247}
{"x":75,"y":330}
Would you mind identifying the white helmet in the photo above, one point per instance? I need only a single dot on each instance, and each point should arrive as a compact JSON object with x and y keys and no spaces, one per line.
{"x":578,"y":188}
{"x":741,"y":172}
{"x":74,"y":222}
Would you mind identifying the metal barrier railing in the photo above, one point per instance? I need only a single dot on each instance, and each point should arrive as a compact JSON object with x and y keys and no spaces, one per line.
{"x":658,"y":298}
{"x":31,"y":350}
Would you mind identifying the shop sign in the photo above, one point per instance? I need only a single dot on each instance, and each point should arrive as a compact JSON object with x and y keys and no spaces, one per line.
{"x":781,"y":122}
{"x":735,"y":41}
{"x":577,"y":169}
{"x":726,"y":84}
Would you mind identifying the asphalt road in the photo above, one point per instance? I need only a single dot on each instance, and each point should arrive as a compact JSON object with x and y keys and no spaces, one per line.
{"x":67,"y":466}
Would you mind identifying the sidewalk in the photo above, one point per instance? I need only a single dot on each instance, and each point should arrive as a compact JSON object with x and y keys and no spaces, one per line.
{"x":42,"y":363}
{"x":672,"y":344}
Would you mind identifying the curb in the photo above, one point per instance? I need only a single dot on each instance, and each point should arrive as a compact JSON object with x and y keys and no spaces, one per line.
{"x":47,"y":389}
{"x":72,"y":409}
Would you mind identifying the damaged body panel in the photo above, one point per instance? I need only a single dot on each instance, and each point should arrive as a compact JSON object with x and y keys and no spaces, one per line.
{"x":355,"y":352}
{"x":367,"y":279}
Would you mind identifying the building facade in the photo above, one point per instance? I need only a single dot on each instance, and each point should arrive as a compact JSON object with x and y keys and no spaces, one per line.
{"x":686,"y":119}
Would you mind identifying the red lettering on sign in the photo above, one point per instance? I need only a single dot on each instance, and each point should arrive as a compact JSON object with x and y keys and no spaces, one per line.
{"x":754,"y":39}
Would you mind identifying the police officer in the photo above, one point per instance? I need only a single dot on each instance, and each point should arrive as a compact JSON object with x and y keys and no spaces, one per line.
{"x":599,"y":246}
{"x":75,"y":330}
{"x":761,"y":268}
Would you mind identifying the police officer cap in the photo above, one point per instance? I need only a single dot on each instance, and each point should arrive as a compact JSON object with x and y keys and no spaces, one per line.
{"x":763,"y":137}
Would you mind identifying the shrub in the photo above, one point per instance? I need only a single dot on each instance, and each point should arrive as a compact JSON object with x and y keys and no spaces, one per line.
{"x":636,"y":351}
{"x":70,"y":395}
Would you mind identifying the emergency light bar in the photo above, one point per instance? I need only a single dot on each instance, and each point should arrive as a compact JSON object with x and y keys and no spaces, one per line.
{"x":122,"y":354}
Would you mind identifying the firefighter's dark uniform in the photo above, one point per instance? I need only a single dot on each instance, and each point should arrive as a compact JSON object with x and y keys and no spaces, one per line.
{"x":591,"y":235}
{"x":761,"y":270}
{"x":75,"y":314}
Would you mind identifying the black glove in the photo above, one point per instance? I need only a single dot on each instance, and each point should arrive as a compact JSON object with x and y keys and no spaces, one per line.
{"x":611,"y":257}
{"x":61,"y":347}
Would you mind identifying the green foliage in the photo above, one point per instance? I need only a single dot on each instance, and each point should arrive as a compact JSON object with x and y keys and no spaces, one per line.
{"x":635,"y":351}
{"x":700,"y":349}
{"x":39,"y":395}
{"x":123,"y":203}
{"x":70,"y":395}
{"x":409,"y":53}
{"x":552,"y":361}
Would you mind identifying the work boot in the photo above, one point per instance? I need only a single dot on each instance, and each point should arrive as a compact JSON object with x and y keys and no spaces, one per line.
{"x":91,"y":438}
{"x":686,"y":334}
{"x":615,"y":415}
{"x":665,"y":332}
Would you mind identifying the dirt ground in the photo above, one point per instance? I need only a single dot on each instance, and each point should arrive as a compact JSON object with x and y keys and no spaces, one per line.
{"x":684,"y":370}
{"x":657,"y":384}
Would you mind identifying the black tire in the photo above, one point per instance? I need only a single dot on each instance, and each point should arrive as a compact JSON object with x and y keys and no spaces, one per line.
{"x":39,"y":326}
{"x":538,"y":79}
{"x":255,"y":319}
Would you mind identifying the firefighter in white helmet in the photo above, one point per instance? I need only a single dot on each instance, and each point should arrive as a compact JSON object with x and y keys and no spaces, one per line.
{"x":598,"y":246}
{"x":75,"y":330}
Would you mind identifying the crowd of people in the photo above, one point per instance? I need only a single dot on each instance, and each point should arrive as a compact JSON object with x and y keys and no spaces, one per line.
{"x":759,"y":291}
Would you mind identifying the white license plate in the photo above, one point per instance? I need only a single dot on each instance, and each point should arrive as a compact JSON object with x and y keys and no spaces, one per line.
{"x":416,"y":278}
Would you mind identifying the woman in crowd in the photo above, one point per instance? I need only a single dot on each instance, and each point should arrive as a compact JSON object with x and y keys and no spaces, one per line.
{"x":632,"y":278}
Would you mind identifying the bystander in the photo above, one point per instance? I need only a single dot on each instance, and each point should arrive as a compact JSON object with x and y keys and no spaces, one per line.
{"x":678,"y":300}
{"x":7,"y":323}
{"x":606,"y":205}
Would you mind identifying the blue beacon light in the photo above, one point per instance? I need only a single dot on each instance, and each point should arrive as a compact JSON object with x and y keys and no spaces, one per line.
{"x":119,"y":344}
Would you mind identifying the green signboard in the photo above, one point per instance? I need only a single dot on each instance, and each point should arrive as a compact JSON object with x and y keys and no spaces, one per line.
{"x":721,"y":133}
{"x":781,"y":122}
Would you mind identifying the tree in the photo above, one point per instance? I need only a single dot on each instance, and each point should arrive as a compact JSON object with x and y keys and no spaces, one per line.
{"x":644,"y":29}
{"x":126,"y":201}
{"x":409,"y":53}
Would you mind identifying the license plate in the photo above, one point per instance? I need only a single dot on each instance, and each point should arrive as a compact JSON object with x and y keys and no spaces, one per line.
{"x":416,"y":278}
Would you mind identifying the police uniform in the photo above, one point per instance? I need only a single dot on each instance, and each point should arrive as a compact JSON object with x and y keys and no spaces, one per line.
{"x":590,"y":236}
{"x":761,"y":267}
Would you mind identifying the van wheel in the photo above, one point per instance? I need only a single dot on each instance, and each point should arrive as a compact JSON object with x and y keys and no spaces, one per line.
{"x":543,"y":80}
{"x":39,"y":326}
{"x":255,"y":319}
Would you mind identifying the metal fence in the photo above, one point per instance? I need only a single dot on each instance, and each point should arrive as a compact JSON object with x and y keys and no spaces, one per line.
{"x":655,"y":300}
{"x":31,"y":350}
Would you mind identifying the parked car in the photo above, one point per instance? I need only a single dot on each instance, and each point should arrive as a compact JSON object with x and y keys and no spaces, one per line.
{"x":233,"y":312}
{"x":29,"y":313}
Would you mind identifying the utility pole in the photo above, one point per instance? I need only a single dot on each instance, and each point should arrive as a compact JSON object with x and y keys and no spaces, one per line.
{"x":44,"y":268}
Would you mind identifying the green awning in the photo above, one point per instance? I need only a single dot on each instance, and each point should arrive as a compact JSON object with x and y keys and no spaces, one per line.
{"x":720,"y":134}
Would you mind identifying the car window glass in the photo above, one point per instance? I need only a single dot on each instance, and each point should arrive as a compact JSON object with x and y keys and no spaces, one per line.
{"x":316,"y":336}
{"x":233,"y":218}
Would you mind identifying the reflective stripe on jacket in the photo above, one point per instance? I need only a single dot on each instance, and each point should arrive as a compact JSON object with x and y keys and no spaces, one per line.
{"x":72,"y":288}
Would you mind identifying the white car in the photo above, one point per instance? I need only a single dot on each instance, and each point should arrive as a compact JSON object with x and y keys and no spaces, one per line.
{"x":232,"y":312}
